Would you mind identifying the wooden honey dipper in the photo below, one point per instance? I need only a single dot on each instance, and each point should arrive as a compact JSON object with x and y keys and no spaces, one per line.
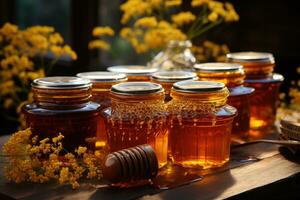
{"x":136,"y":163}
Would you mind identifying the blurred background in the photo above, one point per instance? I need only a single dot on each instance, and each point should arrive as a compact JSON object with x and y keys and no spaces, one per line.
{"x":263,"y":26}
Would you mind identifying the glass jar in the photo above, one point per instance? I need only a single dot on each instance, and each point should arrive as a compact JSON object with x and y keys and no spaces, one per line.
{"x":232,"y":75}
{"x":200,"y":124}
{"x":177,"y":56}
{"x":263,"y":103}
{"x":168,"y":78}
{"x":62,"y":105}
{"x":137,"y":116}
{"x":257,"y":65}
{"x":134,"y":72}
{"x":101,"y":84}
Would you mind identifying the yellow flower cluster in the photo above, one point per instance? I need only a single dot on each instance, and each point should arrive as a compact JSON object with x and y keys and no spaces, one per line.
{"x":34,"y":160}
{"x":99,"y":43}
{"x":210,"y":52}
{"x":183,"y":18}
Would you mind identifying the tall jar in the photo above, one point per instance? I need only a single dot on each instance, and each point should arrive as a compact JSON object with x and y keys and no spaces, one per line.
{"x":177,"y":56}
{"x":62,"y":105}
{"x":232,"y":75}
{"x":101,"y":84}
{"x":168,"y":78}
{"x":259,"y":68}
{"x":134,"y":72}
{"x":137,"y":116}
{"x":201,"y":124}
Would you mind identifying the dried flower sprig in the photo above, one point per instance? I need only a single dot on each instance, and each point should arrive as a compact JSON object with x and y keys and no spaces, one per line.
{"x":32,"y":160}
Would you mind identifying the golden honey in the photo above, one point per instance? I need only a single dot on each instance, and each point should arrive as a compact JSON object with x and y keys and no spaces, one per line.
{"x":258,"y":68}
{"x":232,"y":75}
{"x":62,"y":105}
{"x":168,"y":78}
{"x":200,"y":124}
{"x":134,"y":72}
{"x":137,"y":116}
{"x":101,"y":84}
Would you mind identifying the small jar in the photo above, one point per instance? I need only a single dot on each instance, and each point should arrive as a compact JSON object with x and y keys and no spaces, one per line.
{"x":101,"y":84}
{"x":137,"y":116}
{"x":134,"y":72}
{"x":168,"y":78}
{"x":257,"y":65}
{"x":259,"y":68}
{"x":62,"y":105}
{"x":200,"y":124}
{"x":232,"y":75}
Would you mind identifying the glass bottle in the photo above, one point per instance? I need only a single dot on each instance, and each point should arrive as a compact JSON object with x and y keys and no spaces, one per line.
{"x":134,"y":72}
{"x":62,"y":105}
{"x":137,"y":116}
{"x":101,"y":84}
{"x":232,"y":75}
{"x":259,"y":67}
{"x":168,"y":78}
{"x":177,"y":56}
{"x":200,"y":123}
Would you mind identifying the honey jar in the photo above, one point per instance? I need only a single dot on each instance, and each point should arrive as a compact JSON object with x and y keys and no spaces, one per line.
{"x":232,"y":75}
{"x":137,"y":116}
{"x":62,"y":105}
{"x":168,"y":78}
{"x":200,"y":123}
{"x":101,"y":84}
{"x":134,"y":72}
{"x":259,"y":67}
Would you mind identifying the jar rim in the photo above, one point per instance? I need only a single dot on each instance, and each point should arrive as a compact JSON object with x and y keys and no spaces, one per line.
{"x":136,"y":88}
{"x":61,"y":82}
{"x":250,"y":56}
{"x":102,"y":76}
{"x":213,"y":67}
{"x":192,"y":86}
{"x":133,"y":70}
{"x":273,"y":78}
{"x":173,"y":76}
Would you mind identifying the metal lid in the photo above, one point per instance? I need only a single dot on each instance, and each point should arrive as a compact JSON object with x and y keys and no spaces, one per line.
{"x":61,"y":82}
{"x":250,"y":56}
{"x":274,"y":78}
{"x":218,"y":67}
{"x":136,"y":88}
{"x":198,"y":86}
{"x":173,"y":76}
{"x":133,"y":70}
{"x":99,"y":76}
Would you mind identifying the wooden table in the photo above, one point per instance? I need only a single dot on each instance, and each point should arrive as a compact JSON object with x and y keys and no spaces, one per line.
{"x":272,"y":166}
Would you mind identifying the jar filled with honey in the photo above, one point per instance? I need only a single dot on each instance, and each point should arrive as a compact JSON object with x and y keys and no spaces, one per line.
{"x":101,"y":84}
{"x":137,"y":116}
{"x":62,"y":105}
{"x":168,"y":78}
{"x":200,"y":123}
{"x":259,"y":68}
{"x":134,"y":72}
{"x":232,"y":75}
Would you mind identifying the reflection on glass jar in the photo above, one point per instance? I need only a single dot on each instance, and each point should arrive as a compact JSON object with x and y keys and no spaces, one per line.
{"x":168,"y":78}
{"x":137,"y":116}
{"x":232,"y":75}
{"x":101,"y":84}
{"x":62,"y":105}
{"x":134,"y":72}
{"x":200,"y":123}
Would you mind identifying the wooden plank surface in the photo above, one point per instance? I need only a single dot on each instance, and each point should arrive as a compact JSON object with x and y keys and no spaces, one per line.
{"x":266,"y":166}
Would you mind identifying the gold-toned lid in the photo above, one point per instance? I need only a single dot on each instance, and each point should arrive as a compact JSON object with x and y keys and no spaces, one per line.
{"x":250,"y":56}
{"x":198,"y":86}
{"x":61,"y":83}
{"x":100,"y":76}
{"x":214,"y":67}
{"x":136,"y":88}
{"x":174,"y":76}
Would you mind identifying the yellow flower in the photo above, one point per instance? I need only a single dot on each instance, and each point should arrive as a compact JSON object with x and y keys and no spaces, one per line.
{"x":155,"y":3}
{"x":146,"y":22}
{"x":57,"y":138}
{"x":99,"y":44}
{"x":183,"y":18}
{"x":134,"y":8}
{"x":101,"y":31}
{"x":64,"y":175}
{"x":196,"y":3}
{"x":81,"y":150}
{"x":55,"y":39}
{"x":9,"y":30}
{"x":213,"y":17}
{"x":172,"y":3}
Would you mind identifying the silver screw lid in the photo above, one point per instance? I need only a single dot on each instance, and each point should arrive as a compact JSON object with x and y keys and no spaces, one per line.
{"x":61,"y":82}
{"x":173,"y":76}
{"x":250,"y":56}
{"x":218,"y":67}
{"x":133,"y":70}
{"x":136,"y":88}
{"x":198,"y":86}
{"x":99,"y":76}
